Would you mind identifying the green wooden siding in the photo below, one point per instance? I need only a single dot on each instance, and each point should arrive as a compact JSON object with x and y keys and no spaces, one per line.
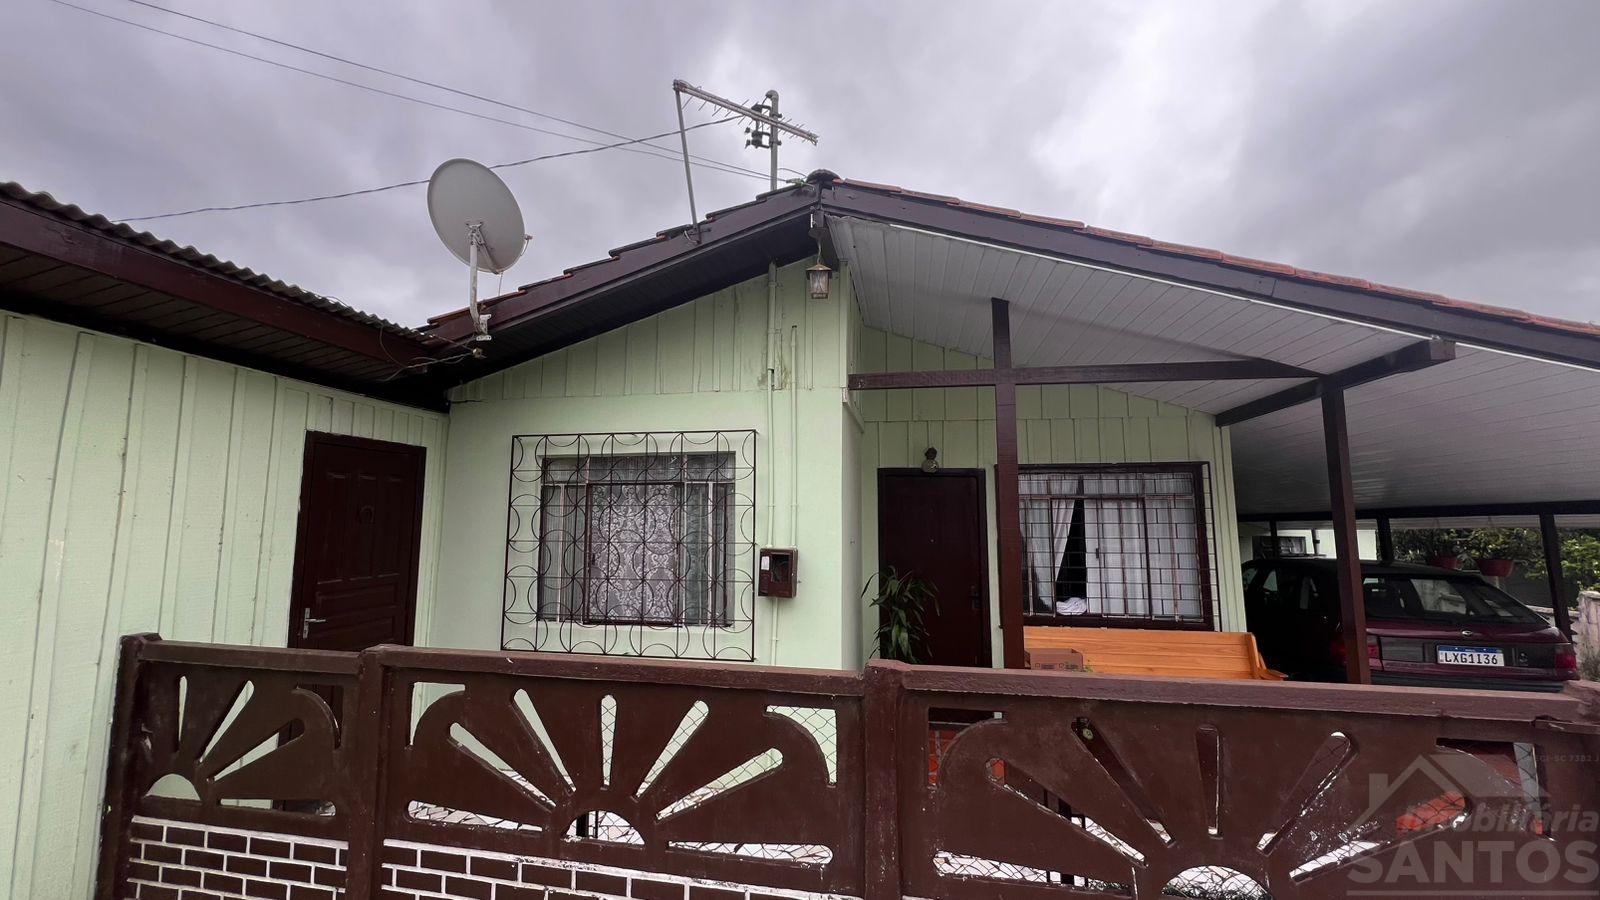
{"x":1056,"y":424}
{"x":146,"y":490}
{"x":698,"y":367}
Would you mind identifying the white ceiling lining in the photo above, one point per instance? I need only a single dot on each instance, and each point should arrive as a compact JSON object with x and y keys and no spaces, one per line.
{"x":936,"y":289}
{"x":1487,"y":427}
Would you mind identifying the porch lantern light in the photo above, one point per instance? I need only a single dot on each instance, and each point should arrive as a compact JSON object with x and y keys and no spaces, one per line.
{"x":930,"y":460}
{"x":817,"y":281}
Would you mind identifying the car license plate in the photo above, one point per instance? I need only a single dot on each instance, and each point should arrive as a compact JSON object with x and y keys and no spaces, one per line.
{"x":1471,"y":656}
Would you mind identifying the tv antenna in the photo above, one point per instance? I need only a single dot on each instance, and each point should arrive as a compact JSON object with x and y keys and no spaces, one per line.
{"x":766,"y":124}
{"x":479,"y":221}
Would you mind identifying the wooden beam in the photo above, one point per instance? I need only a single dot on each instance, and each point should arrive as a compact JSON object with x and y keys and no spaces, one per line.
{"x":1409,"y":358}
{"x":1352,"y":606}
{"x":1218,"y":370}
{"x":1552,"y":568}
{"x":1007,"y":505}
{"x":1385,"y":540}
{"x":1444,"y":511}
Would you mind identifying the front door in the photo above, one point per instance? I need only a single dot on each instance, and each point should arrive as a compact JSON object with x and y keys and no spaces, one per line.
{"x":932,"y":526}
{"x":355,"y":578}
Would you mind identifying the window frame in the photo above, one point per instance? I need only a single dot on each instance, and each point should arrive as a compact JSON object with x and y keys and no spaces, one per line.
{"x":580,"y":610}
{"x":1196,"y":470}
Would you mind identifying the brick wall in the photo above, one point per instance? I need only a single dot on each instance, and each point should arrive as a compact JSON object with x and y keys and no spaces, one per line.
{"x":426,"y":871}
{"x":171,"y":860}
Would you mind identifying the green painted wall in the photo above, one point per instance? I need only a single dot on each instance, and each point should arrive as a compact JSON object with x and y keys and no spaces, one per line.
{"x":700,"y":366}
{"x":145,"y":490}
{"x":1056,"y":424}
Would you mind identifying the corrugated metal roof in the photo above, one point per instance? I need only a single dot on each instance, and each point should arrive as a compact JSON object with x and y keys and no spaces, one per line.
{"x":189,"y":254}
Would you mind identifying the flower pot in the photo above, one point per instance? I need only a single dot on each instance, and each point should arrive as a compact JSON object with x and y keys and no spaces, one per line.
{"x":1444,"y":562}
{"x":1494,"y":568}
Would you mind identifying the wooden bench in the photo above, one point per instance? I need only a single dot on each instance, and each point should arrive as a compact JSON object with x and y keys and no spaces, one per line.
{"x":1148,"y":651}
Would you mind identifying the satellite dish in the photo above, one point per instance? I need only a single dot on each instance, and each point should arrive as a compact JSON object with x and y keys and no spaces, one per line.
{"x":479,"y":221}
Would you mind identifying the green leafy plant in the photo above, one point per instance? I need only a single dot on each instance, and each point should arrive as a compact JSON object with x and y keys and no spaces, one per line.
{"x":1421,"y":544}
{"x":900,"y":601}
{"x":1522,"y":546}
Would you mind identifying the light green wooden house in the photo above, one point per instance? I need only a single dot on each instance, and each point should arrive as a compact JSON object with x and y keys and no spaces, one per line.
{"x":705,"y":447}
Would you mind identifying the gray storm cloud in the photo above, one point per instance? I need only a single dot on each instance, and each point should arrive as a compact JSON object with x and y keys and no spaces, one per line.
{"x":1440,"y":146}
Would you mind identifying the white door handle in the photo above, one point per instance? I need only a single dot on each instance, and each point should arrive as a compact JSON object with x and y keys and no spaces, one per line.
{"x":306,"y":621}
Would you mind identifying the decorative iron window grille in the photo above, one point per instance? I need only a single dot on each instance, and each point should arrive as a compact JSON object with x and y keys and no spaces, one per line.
{"x":1118,"y":544}
{"x":632,"y":544}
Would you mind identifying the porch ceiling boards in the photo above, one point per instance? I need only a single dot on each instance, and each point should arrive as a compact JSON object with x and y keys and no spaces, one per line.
{"x":936,"y":289}
{"x":1486,"y":427}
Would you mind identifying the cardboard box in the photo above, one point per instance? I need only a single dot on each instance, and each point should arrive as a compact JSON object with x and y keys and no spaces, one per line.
{"x":1055,"y":659}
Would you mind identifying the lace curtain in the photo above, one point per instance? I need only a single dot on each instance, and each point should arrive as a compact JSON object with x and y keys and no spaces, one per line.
{"x":637,"y":539}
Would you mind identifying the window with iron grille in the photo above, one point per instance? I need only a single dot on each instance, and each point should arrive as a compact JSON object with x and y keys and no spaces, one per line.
{"x":1107,"y":545}
{"x":637,"y":539}
{"x":632,"y":544}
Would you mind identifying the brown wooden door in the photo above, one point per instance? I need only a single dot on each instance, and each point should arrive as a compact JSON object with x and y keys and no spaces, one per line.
{"x":355,"y":580}
{"x":932,"y":526}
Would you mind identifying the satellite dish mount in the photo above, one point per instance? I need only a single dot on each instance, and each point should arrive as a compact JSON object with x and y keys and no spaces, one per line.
{"x":479,"y":221}
{"x":475,"y":250}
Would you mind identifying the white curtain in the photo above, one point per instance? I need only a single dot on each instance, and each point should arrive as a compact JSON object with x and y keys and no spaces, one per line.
{"x":1047,"y":524}
{"x":1117,"y":553}
{"x":1140,"y":536}
{"x":1175,"y":564}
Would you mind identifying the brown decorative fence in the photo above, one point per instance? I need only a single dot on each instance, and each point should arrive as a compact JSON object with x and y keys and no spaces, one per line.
{"x":409,"y":773}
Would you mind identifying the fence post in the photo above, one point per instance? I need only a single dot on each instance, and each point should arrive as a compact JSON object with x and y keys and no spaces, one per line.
{"x":116,"y":812}
{"x":368,"y":764}
{"x":881,"y":813}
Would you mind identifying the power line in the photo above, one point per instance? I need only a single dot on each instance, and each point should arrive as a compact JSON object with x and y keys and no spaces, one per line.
{"x":414,"y":183}
{"x":713,"y":164}
{"x":415,"y":80}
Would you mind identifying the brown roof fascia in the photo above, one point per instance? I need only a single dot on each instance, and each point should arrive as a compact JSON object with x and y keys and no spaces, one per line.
{"x":422,"y":392}
{"x":1350,"y":298}
{"x":37,"y":231}
{"x":637,"y":261}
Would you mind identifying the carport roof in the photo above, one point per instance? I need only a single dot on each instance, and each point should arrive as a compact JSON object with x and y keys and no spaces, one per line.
{"x":1511,"y":420}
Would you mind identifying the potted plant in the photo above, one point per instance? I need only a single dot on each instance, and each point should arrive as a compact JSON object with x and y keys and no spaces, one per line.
{"x":900,"y":600}
{"x":1438,"y":547}
{"x":1496,"y":551}
{"x":1493,"y":566}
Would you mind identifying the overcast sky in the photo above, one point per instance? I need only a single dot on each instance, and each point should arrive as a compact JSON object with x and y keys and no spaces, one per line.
{"x":1446,"y":146}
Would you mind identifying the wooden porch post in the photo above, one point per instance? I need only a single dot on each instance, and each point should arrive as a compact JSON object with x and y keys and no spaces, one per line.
{"x":1007,"y":506}
{"x":1552,"y":568}
{"x":1272,"y":531}
{"x":1385,"y":540}
{"x":1341,"y":496}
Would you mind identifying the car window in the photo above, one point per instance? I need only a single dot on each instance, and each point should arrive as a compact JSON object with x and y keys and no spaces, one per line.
{"x":1454,"y":600}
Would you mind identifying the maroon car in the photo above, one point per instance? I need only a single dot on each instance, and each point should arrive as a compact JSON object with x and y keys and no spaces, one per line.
{"x":1425,"y":627}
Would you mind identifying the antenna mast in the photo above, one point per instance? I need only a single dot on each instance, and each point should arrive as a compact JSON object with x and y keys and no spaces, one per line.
{"x":766,"y":124}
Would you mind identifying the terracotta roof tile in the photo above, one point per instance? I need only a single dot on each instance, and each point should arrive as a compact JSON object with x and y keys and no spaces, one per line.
{"x":1122,"y":236}
{"x":891,"y":188}
{"x":1052,"y":220}
{"x":1245,"y":262}
{"x":984,"y":207}
{"x":1186,"y":250}
{"x":1344,"y":280}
